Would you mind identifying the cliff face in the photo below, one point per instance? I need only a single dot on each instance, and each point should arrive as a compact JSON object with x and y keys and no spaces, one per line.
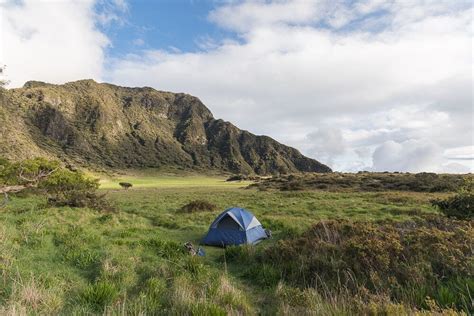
{"x":88,"y":123}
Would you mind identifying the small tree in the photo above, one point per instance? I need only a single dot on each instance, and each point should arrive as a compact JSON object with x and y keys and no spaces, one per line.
{"x":63,"y":186}
{"x":17,"y":177}
{"x":125,"y":185}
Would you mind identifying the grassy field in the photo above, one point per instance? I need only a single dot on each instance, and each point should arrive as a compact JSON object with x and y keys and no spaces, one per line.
{"x":156,"y":181}
{"x":69,"y":260}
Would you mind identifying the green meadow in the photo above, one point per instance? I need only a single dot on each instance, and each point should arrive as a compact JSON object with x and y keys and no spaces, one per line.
{"x":62,"y":260}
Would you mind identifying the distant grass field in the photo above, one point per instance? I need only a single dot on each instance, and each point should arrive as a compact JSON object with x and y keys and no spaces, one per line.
{"x":169,"y":181}
{"x":78,"y":260}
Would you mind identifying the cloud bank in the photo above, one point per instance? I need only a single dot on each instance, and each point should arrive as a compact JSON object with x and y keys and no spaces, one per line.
{"x":53,"y":41}
{"x":360,"y":85}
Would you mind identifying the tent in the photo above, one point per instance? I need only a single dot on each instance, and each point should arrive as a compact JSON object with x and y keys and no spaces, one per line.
{"x":235,"y":226}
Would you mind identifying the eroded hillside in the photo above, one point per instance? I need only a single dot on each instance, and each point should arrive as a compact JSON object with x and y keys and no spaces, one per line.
{"x":89,"y":123}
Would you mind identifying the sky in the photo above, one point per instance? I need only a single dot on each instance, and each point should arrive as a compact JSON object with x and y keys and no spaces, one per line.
{"x":358,"y":85}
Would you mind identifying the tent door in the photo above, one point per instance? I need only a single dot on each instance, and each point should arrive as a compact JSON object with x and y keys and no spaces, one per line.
{"x":228,"y":223}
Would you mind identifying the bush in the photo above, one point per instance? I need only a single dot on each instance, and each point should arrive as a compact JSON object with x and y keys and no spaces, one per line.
{"x":406,"y":261}
{"x":81,"y":199}
{"x":240,"y":177}
{"x":366,"y":181}
{"x":25,"y":172}
{"x":198,"y":206}
{"x":74,"y":189}
{"x":63,"y":186}
{"x":461,"y":205}
{"x":292,"y":186}
{"x":237,"y":177}
{"x":125,"y":185}
{"x":64,"y":180}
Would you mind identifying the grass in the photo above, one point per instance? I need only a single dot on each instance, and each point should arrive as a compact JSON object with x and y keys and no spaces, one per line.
{"x":170,"y":182}
{"x":153,"y":179}
{"x":69,"y":260}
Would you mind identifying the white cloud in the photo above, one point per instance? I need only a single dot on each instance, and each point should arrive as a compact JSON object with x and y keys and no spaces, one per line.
{"x":121,"y":5}
{"x":460,"y":153}
{"x":410,"y":155}
{"x":138,"y":42}
{"x":54,"y":41}
{"x":457,"y":168}
{"x":414,"y":156}
{"x":327,"y":143}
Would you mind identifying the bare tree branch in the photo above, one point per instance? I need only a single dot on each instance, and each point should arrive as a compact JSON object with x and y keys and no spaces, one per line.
{"x":39,"y":176}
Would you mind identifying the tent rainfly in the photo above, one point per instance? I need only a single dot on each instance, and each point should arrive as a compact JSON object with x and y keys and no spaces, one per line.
{"x":235,"y":226}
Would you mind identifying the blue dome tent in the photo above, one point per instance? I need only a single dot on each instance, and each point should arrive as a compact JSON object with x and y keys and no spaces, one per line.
{"x":235,"y":226}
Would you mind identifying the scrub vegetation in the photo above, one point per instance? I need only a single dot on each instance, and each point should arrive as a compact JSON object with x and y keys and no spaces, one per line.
{"x":365,"y":182}
{"x":389,"y":252}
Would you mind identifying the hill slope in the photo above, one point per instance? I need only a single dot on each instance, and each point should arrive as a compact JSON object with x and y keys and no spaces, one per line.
{"x":86,"y":123}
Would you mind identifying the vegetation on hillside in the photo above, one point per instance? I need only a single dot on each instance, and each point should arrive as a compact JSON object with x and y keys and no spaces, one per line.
{"x":461,"y":205}
{"x":101,"y":125}
{"x":365,"y":181}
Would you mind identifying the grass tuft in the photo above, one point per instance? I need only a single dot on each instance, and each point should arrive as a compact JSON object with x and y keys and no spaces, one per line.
{"x":99,"y":295}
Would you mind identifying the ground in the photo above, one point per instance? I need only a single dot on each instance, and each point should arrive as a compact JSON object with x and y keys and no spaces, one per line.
{"x":80,"y":260}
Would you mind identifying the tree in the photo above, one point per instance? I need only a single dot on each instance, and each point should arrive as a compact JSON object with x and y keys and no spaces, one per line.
{"x":16,"y":177}
{"x":62,"y":186}
{"x":125,"y":185}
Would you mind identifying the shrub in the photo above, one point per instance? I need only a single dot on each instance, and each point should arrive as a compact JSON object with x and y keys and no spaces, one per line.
{"x":406,"y":261}
{"x":25,"y":171}
{"x":237,"y":177}
{"x":198,"y":206}
{"x":63,"y":186}
{"x":461,"y":205}
{"x":240,"y":177}
{"x":74,"y":189}
{"x":125,"y":185}
{"x":366,"y":181}
{"x":292,"y":186}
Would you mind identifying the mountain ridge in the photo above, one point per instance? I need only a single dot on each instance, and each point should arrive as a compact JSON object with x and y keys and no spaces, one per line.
{"x":89,"y":123}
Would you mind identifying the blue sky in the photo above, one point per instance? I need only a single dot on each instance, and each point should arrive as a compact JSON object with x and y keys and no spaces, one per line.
{"x":179,"y":25}
{"x":357,"y":84}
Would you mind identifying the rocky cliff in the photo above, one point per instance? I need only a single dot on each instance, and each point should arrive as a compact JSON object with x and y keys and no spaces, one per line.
{"x":89,"y":123}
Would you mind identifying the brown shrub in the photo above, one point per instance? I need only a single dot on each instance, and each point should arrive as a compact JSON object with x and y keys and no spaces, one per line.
{"x":366,"y":181}
{"x":198,"y":206}
{"x":407,"y":261}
